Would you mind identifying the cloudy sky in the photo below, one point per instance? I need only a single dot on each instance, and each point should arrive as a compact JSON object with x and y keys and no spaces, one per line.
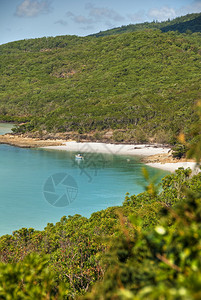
{"x":21,"y":19}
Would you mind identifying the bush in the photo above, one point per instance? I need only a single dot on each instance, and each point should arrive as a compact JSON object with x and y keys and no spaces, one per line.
{"x":29,"y":279}
{"x":179,"y":151}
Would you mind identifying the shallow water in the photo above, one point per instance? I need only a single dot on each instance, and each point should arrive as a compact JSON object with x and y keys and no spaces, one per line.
{"x":40,"y":186}
{"x":6,"y":128}
{"x":35,"y":182}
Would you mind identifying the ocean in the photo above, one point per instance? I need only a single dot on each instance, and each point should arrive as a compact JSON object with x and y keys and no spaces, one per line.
{"x":39,"y":186}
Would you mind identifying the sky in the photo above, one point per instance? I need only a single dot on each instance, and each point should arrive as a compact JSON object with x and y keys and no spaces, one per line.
{"x":24,"y":19}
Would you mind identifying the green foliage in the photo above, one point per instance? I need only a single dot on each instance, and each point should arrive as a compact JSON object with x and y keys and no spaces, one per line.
{"x":195,"y":132}
{"x":179,"y":150}
{"x":72,"y":248}
{"x":174,"y":186}
{"x":161,"y":262}
{"x":187,"y":24}
{"x":30,"y":279}
{"x":143,"y":82}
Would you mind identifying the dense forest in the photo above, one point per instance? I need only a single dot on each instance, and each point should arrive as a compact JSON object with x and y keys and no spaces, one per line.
{"x":140,"y":85}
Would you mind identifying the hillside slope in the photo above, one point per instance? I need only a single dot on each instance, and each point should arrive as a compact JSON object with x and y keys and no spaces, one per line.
{"x":144,"y":83}
{"x":182,"y":24}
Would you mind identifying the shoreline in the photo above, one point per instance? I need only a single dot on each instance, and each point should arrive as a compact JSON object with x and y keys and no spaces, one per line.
{"x":143,"y":150}
{"x":153,"y":155}
{"x":28,"y":142}
{"x":172,"y":167}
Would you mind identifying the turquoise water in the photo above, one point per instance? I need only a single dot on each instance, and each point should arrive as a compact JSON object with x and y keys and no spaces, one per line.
{"x":28,"y":198}
{"x":6,"y":128}
{"x":102,"y":181}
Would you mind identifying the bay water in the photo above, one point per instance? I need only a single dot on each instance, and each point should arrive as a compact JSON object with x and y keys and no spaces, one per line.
{"x":6,"y":128}
{"x":39,"y":186}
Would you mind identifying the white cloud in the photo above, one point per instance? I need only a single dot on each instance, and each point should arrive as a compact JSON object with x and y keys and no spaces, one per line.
{"x":95,"y":15}
{"x":32,"y":8}
{"x":88,"y":27}
{"x":61,"y":22}
{"x":69,"y":14}
{"x":162,"y":14}
{"x":82,"y":20}
{"x":137,"y":17}
{"x":165,"y":12}
{"x":194,"y":7}
{"x":102,"y":13}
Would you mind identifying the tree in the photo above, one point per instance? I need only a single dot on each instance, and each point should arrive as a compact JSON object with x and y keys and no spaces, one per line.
{"x":30,"y":279}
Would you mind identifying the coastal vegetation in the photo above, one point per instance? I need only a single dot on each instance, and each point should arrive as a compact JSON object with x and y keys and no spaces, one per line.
{"x":148,"y":248}
{"x":141,"y":86}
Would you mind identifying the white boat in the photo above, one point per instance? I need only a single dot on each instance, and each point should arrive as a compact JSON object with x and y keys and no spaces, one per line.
{"x":79,"y":156}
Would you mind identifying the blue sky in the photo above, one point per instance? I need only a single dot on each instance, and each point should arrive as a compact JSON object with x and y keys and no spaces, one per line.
{"x":22,"y":19}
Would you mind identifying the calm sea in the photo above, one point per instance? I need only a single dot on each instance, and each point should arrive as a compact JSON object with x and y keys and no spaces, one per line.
{"x":40,"y":186}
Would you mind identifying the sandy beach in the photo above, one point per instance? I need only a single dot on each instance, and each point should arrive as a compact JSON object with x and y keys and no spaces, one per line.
{"x":174,"y":166}
{"x":156,"y":156}
{"x":164,"y":159}
{"x":121,"y":149}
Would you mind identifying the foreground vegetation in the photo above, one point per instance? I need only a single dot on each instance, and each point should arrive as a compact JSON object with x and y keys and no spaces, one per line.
{"x":152,"y":244}
{"x":140,"y":85}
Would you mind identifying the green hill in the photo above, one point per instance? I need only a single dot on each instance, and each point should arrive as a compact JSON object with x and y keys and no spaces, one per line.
{"x":182,"y":24}
{"x":142,"y":85}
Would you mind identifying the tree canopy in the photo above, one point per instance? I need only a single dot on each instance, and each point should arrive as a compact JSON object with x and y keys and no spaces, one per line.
{"x":144,"y":83}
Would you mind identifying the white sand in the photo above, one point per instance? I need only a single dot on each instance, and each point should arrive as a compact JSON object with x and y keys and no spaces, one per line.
{"x":120,"y":149}
{"x":174,"y":166}
{"x":141,"y":150}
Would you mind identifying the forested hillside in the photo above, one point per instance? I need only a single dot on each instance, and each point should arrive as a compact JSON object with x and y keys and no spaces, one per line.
{"x":141,"y":85}
{"x":190,"y":22}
